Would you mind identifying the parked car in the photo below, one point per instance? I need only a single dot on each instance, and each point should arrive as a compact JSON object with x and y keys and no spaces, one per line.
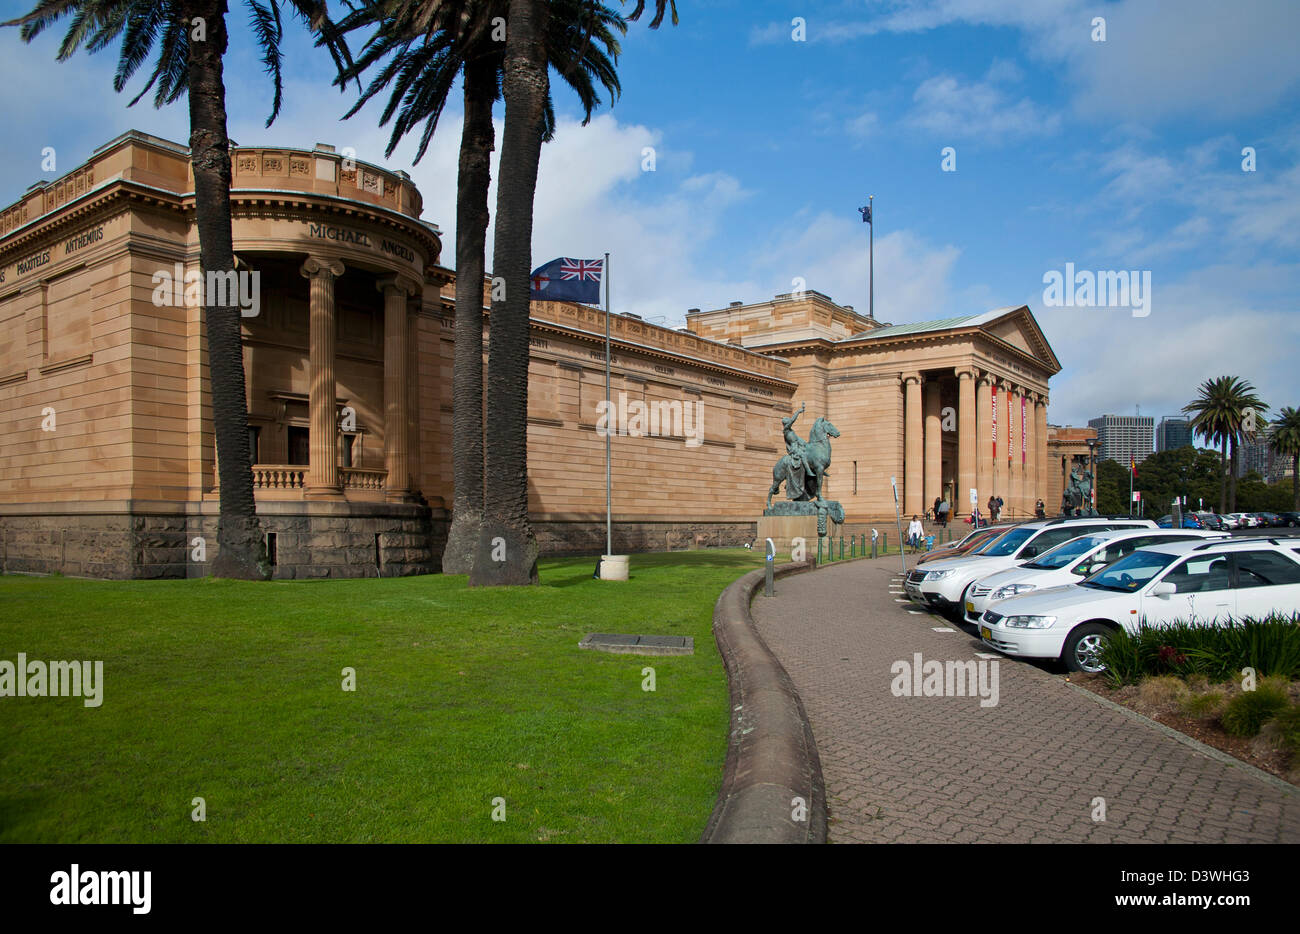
{"x":1212,"y":522}
{"x":1289,"y":519}
{"x":1210,"y":582}
{"x":942,"y":584}
{"x":1190,"y":521}
{"x":1070,"y":563}
{"x":967,"y":544}
{"x":1267,"y":519}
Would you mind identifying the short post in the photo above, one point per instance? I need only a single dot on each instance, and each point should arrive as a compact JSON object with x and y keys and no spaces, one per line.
{"x":770,"y":564}
{"x":874,"y":536}
{"x":853,"y":545}
{"x":819,"y":549}
{"x":884,"y":543}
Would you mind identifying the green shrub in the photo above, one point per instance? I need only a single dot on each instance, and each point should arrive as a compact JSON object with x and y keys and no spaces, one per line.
{"x":1201,"y":706}
{"x":1216,"y":652}
{"x":1163,"y":690}
{"x":1287,"y":723}
{"x":1246,"y":712}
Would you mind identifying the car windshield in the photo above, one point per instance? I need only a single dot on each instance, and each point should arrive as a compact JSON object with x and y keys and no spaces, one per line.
{"x":1131,"y":572}
{"x":1063,"y":554}
{"x":1007,"y":544}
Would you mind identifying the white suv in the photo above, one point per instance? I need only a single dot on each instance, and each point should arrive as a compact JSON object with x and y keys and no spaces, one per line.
{"x":1209,"y":582}
{"x":1069,"y":564}
{"x":942,"y":585}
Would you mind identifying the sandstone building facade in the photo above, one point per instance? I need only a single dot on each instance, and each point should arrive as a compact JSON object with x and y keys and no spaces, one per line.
{"x":107,"y":456}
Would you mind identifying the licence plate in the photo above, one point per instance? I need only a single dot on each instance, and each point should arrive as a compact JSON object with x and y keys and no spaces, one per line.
{"x":970,"y":607}
{"x":986,"y":632}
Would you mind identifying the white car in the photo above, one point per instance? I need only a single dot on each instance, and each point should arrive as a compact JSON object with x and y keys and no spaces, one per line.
{"x":1069,"y":563}
{"x":1195,"y":581}
{"x":942,"y":585}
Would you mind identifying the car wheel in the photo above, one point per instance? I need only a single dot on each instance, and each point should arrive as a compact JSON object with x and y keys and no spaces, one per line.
{"x":958,"y":613}
{"x":1082,"y":647}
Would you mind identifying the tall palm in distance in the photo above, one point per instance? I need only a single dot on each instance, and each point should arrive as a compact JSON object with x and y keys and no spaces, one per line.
{"x":424,"y":47}
{"x":1286,"y":442}
{"x":190,"y":39}
{"x":1220,"y":414}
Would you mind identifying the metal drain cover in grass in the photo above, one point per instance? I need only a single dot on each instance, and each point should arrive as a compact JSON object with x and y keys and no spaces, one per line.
{"x":622,"y":644}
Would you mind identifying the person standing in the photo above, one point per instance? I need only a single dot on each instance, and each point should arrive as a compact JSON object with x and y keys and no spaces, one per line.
{"x":914,"y":533}
{"x":944,"y":509}
{"x":993,"y":508}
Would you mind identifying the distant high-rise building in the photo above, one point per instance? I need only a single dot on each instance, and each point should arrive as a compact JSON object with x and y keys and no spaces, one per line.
{"x":1257,"y":454}
{"x":1120,"y":437}
{"x":1174,"y":432}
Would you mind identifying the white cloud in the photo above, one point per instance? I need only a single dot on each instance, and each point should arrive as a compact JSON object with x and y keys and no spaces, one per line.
{"x":949,"y":108}
{"x":1159,"y":60}
{"x":1200,"y":327}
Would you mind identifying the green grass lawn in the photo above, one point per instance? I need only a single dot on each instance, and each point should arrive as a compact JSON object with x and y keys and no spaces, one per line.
{"x":232,"y":692}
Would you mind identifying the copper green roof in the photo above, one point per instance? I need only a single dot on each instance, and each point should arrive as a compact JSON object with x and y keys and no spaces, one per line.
{"x":942,"y":324}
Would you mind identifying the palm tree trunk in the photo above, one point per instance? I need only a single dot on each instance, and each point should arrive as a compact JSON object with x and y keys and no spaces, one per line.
{"x":1232,"y":477}
{"x":507,"y":547}
{"x":476,"y":144}
{"x":240,"y":552}
{"x":1223,"y":475}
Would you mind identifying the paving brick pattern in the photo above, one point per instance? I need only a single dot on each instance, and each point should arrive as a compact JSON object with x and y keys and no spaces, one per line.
{"x":945,"y":769}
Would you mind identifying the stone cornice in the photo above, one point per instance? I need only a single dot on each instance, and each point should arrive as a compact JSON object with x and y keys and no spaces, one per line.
{"x":616,"y":344}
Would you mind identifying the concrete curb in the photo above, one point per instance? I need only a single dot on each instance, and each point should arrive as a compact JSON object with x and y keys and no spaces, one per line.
{"x":771,"y":755}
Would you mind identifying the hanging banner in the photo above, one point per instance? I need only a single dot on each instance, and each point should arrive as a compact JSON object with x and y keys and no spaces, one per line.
{"x":1023,"y":447}
{"x":1011,"y":430}
{"x":994,"y":387}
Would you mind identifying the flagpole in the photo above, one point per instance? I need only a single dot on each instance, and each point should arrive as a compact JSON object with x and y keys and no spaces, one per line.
{"x":609,"y":528}
{"x":871,"y":268}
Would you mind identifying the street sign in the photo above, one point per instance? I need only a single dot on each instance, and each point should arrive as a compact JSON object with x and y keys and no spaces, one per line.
{"x":974,"y":496}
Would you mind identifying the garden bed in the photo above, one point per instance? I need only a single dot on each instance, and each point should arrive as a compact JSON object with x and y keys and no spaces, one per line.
{"x":1159,"y":698}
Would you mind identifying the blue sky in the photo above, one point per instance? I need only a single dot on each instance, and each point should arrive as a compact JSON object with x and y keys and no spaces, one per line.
{"x":1115,"y":155}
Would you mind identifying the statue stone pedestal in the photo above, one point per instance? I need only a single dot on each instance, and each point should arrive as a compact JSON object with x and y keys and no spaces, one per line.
{"x":782,"y":530}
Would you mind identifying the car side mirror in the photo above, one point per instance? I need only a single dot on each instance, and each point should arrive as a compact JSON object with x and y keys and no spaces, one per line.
{"x":1164,"y":589}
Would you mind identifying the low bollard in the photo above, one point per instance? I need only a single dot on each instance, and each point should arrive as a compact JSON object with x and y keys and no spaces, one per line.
{"x":884,"y":543}
{"x":819,"y":549}
{"x":770,"y":563}
{"x":841,"y":547}
{"x":853,"y":546}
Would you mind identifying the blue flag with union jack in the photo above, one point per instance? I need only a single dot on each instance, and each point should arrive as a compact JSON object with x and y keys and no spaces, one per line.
{"x":568,"y":280}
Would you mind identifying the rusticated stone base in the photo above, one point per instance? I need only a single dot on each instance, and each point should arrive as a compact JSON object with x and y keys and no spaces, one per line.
{"x":140,"y":541}
{"x":133,"y":540}
{"x":588,"y":538}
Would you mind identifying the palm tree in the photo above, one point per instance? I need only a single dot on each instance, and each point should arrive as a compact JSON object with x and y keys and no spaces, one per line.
{"x":1286,"y":441}
{"x":190,"y":37}
{"x":1220,"y":413}
{"x":427,"y":48}
{"x":506,"y":552}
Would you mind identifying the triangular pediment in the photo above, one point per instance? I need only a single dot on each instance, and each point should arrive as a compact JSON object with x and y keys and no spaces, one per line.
{"x":1018,"y":328}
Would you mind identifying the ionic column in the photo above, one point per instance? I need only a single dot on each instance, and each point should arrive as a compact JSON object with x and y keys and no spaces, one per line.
{"x":984,"y":439}
{"x":1015,"y":494}
{"x":396,"y":290}
{"x":322,"y":460}
{"x":912,"y":445}
{"x":1040,"y":445}
{"x":933,"y":442}
{"x":966,"y":453}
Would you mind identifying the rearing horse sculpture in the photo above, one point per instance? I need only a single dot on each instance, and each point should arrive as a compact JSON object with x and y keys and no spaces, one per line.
{"x":804,"y":467}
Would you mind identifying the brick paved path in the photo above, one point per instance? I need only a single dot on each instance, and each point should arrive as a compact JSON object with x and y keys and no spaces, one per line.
{"x":936,"y":769}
